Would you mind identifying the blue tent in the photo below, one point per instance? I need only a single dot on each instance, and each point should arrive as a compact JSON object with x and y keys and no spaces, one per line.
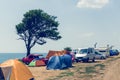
{"x":59,"y":62}
{"x":67,"y":60}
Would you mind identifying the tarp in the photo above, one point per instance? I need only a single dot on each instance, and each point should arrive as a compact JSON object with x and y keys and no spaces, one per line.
{"x":36,"y":63}
{"x":55,"y":53}
{"x":14,"y":70}
{"x":59,"y":62}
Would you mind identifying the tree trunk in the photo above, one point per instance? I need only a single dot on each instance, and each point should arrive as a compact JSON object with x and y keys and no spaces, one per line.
{"x":28,"y":46}
{"x":28,"y":51}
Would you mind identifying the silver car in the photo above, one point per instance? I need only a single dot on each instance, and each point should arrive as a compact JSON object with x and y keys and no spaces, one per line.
{"x":99,"y":55}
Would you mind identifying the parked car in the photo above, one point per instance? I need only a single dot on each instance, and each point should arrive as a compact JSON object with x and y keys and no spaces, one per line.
{"x":85,"y":55}
{"x":30,"y":57}
{"x":104,"y":51}
{"x":99,"y":55}
{"x":113,"y":52}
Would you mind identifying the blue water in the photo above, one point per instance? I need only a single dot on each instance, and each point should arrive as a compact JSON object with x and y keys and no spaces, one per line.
{"x":7,"y":56}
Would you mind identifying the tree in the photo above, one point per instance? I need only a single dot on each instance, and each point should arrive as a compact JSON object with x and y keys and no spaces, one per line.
{"x":68,"y":49}
{"x":36,"y":27}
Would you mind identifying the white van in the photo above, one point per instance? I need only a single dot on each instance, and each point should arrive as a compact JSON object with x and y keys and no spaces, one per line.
{"x":85,"y":55}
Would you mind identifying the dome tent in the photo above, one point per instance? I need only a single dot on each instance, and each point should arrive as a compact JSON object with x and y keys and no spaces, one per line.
{"x":59,"y":62}
{"x":37,"y":63}
{"x":14,"y":70}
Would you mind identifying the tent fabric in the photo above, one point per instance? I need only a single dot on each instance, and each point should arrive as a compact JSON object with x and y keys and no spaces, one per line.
{"x":32,"y":63}
{"x":59,"y":62}
{"x":68,"y":60}
{"x":18,"y":70}
{"x":40,"y":63}
{"x":36,"y":63}
{"x":1,"y":75}
{"x":55,"y":53}
{"x":55,"y":62}
{"x":6,"y":71}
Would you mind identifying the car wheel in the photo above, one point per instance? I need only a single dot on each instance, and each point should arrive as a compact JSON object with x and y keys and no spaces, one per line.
{"x":85,"y":60}
{"x":93,"y":60}
{"x":102,"y":57}
{"x":76,"y":60}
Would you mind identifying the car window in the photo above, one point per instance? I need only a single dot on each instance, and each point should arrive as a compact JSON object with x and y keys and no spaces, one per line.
{"x":96,"y":52}
{"x":90,"y":50}
{"x":83,"y":51}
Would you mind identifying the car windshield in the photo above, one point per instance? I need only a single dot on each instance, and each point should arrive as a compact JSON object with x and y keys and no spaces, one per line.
{"x":83,"y":51}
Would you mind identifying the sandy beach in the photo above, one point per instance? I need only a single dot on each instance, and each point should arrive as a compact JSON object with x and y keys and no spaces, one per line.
{"x":40,"y":73}
{"x":100,"y":70}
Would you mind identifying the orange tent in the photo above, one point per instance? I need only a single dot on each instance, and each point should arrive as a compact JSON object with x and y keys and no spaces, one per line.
{"x":14,"y":70}
{"x":55,"y":53}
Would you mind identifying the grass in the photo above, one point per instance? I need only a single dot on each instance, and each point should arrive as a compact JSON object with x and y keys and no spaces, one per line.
{"x":78,"y":69}
{"x":88,"y":72}
{"x":90,"y":69}
{"x":82,"y":71}
{"x":86,"y":76}
{"x":113,"y":59}
{"x":85,"y":71}
{"x":102,"y":66}
{"x":63,"y":74}
{"x":67,"y":73}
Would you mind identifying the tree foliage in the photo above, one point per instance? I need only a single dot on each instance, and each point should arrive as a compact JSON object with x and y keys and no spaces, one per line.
{"x":68,"y":49}
{"x":36,"y":27}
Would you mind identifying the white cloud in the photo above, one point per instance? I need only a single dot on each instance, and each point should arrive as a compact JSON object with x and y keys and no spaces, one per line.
{"x":92,"y":3}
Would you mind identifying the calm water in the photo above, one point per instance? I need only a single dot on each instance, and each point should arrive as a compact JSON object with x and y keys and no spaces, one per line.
{"x":7,"y":56}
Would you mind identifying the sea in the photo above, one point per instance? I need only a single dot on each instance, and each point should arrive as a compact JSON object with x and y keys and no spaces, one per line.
{"x":8,"y":56}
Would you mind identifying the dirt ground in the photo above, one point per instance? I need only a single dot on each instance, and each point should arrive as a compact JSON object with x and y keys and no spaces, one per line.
{"x":108,"y":69}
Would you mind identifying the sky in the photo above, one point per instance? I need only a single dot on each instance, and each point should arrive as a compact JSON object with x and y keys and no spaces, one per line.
{"x":82,"y":23}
